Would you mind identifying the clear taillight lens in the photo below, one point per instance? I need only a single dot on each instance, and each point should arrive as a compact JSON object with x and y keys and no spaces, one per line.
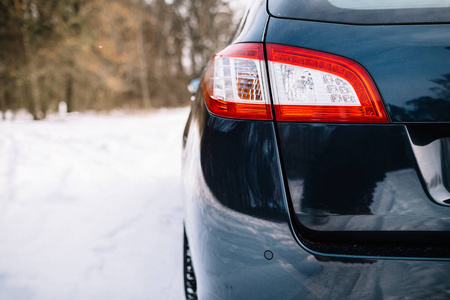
{"x":235,"y":84}
{"x":311,"y":86}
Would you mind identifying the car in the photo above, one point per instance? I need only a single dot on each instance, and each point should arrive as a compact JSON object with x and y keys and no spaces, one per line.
{"x":316,"y":156}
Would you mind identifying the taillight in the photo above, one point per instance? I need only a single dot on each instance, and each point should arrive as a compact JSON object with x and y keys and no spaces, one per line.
{"x":307,"y":86}
{"x":235,"y":84}
{"x":311,"y":86}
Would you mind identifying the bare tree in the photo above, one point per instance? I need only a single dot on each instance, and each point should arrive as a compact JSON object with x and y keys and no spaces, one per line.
{"x":101,"y":54}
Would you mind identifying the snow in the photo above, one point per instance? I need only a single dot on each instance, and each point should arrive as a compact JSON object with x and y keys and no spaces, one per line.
{"x":90,"y":207}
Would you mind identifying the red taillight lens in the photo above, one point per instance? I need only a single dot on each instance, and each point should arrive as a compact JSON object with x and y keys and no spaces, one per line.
{"x":311,"y":86}
{"x":234,"y":84}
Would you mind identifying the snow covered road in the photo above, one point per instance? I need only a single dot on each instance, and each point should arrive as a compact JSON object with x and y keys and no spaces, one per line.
{"x":90,"y":207}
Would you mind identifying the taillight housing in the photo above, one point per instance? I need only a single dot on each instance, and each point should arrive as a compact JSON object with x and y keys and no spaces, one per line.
{"x":306,"y":85}
{"x":235,"y":83}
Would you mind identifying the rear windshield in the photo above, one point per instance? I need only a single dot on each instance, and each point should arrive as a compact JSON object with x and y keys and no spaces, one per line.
{"x":363,"y":11}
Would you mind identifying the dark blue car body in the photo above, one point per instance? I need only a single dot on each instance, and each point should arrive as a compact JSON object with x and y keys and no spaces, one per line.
{"x":329,"y":210}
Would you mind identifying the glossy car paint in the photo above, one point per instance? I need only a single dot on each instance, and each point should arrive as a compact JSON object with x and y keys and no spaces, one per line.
{"x":244,"y":180}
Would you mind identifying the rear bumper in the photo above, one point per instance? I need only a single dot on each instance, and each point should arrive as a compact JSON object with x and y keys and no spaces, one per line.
{"x":230,"y":264}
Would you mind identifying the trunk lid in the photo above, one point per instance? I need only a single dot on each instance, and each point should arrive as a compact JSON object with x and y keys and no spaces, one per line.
{"x":375,"y":183}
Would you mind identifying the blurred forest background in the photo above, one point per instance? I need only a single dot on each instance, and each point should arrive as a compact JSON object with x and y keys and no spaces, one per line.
{"x":105,"y":54}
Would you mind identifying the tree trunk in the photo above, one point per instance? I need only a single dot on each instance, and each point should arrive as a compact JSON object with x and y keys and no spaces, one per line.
{"x":69,"y":92}
{"x":146,"y":103}
{"x":3,"y":104}
{"x":35,"y":93}
{"x":32,"y":78}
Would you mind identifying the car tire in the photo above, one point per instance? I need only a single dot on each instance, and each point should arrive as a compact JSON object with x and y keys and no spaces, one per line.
{"x":190,"y":282}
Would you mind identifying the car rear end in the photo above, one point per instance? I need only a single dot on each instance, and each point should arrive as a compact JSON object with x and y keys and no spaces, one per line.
{"x":317,"y":155}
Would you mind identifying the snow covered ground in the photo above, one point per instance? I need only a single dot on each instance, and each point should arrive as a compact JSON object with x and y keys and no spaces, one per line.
{"x":90,"y":207}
